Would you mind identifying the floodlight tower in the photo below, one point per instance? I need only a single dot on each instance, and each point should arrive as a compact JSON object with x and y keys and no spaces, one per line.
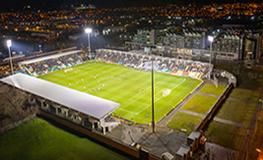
{"x":9,"y":44}
{"x":210,"y":39}
{"x":88,"y":31}
{"x":153,"y":123}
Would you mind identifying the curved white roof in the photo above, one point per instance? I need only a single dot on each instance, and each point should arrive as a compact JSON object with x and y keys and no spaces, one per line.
{"x":85,"y":103}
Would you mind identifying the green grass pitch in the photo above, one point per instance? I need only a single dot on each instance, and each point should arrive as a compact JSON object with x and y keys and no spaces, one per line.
{"x":129,"y":87}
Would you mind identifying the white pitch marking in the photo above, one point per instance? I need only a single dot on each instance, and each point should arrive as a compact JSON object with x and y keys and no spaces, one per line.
{"x":128,"y":111}
{"x":105,"y":83}
{"x":138,"y":102}
{"x":161,"y":97}
{"x":141,"y":91}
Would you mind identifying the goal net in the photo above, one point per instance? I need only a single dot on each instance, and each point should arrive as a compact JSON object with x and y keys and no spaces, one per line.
{"x":166,"y":92}
{"x":68,"y":69}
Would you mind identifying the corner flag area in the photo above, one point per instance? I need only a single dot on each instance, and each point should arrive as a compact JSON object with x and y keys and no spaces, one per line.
{"x":127,"y":86}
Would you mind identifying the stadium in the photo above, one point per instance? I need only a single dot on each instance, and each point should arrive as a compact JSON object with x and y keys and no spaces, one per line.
{"x":114,"y":87}
{"x":123,"y":78}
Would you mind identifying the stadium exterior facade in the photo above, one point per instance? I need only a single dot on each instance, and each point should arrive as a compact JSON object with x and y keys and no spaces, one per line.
{"x":230,"y":43}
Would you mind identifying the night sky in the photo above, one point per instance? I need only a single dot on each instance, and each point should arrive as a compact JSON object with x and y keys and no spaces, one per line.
{"x":7,"y":5}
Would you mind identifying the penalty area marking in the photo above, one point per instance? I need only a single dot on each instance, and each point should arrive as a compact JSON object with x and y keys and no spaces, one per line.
{"x":178,"y":84}
{"x":128,"y":111}
{"x":118,"y":82}
{"x":146,"y":103}
{"x":138,"y":102}
{"x":161,"y":97}
{"x":143,"y":89}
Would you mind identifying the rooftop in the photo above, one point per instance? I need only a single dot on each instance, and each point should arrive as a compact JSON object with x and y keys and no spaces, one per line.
{"x":80,"y":101}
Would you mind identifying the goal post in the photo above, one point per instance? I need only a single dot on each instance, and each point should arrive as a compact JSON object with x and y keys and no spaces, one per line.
{"x":68,"y":69}
{"x":166,"y":92}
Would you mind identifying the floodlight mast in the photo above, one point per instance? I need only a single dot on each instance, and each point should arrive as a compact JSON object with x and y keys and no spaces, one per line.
{"x":210,"y":39}
{"x":153,"y":123}
{"x":88,"y":31}
{"x":9,"y":44}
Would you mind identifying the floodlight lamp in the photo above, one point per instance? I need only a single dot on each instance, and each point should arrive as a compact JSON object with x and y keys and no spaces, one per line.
{"x":210,"y":38}
{"x":88,"y":30}
{"x":9,"y":43}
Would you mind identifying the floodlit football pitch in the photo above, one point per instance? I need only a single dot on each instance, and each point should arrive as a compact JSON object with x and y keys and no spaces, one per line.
{"x":127,"y":86}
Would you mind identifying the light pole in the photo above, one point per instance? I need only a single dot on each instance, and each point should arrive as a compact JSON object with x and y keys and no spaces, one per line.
{"x":88,"y":31}
{"x":153,"y":123}
{"x":9,"y":44}
{"x":210,"y":39}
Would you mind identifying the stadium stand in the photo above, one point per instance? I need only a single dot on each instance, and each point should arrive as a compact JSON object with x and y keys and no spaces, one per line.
{"x":138,"y":60}
{"x":134,"y":59}
{"x":44,"y":65}
{"x":80,"y":108}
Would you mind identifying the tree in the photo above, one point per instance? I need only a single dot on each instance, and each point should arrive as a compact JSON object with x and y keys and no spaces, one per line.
{"x":13,"y":104}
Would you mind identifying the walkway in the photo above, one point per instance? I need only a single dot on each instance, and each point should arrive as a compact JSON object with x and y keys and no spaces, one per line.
{"x":215,"y":119}
{"x":240,"y":100}
{"x":208,"y":94}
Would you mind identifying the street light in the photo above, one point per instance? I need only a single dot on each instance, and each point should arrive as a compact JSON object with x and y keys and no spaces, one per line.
{"x":9,"y":44}
{"x":88,"y":31}
{"x":210,"y":39}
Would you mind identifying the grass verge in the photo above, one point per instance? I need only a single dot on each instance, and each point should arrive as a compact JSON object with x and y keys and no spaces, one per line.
{"x":38,"y":139}
{"x":184,"y":121}
{"x":237,"y":111}
{"x":245,"y":94}
{"x":200,"y":104}
{"x":225,"y":135}
{"x":212,"y":89}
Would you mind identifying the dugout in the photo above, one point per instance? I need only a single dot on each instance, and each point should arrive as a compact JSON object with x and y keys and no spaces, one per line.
{"x":80,"y":108}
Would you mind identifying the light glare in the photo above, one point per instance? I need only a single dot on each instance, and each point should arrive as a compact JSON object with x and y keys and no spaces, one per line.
{"x":9,"y":43}
{"x":210,"y":38}
{"x":88,"y":30}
